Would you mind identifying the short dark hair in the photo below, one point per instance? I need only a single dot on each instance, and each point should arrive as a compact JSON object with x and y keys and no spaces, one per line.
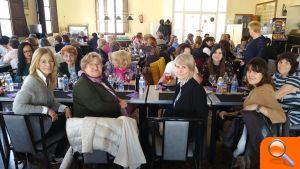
{"x":181,"y":47}
{"x":4,"y":40}
{"x":95,"y":35}
{"x":290,"y":57}
{"x":259,"y":65}
{"x":14,"y":43}
{"x":44,"y":42}
{"x":58,"y":38}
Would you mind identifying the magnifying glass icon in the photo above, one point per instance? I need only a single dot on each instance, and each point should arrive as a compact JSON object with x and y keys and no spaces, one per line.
{"x":277,"y":149}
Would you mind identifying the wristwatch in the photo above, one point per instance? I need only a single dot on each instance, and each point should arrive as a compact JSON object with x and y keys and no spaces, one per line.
{"x":258,"y":109}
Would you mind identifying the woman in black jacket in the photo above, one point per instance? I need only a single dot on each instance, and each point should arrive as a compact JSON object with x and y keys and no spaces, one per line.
{"x":190,"y":97}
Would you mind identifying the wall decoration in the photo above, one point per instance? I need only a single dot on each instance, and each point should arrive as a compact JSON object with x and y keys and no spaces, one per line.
{"x":278,"y":28}
{"x":266,"y":11}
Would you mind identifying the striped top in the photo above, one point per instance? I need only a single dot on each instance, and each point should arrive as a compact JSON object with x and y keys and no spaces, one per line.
{"x":290,"y":102}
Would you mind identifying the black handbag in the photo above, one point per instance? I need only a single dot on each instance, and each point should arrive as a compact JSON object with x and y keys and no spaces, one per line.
{"x":258,"y":127}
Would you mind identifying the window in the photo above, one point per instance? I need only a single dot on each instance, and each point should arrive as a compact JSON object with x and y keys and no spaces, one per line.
{"x":112,"y":9}
{"x":204,"y":16}
{"x":48,"y":16}
{"x":5,"y":19}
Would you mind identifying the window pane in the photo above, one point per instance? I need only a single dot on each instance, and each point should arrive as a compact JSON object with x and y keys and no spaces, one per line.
{"x":46,"y":3}
{"x":110,"y":14}
{"x":178,"y":5}
{"x":221,"y":26}
{"x":47,"y":13}
{"x":207,"y":25}
{"x":4,"y":10}
{"x":210,"y":5}
{"x":178,"y":23}
{"x":192,"y":5}
{"x":48,"y":26}
{"x":119,"y":8}
{"x":6,"y":27}
{"x":120,"y":26}
{"x":101,"y":16}
{"x":192,"y":23}
{"x":222,"y":5}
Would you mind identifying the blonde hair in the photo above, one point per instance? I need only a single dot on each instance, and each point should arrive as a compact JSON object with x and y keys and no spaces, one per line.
{"x":37,"y":55}
{"x":88,"y":59}
{"x":122,"y":58}
{"x":186,"y":60}
{"x":255,"y":26}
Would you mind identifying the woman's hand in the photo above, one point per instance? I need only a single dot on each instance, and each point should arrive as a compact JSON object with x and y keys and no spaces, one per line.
{"x":251,"y":107}
{"x":222,"y":114}
{"x":52,"y":114}
{"x":68,"y":112}
{"x":122,"y":103}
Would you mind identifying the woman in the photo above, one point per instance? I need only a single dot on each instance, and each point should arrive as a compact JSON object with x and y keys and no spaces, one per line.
{"x":287,"y":84}
{"x":198,"y":42}
{"x":65,"y":40}
{"x":260,"y":101}
{"x":216,"y":65}
{"x":190,"y":39}
{"x":93,"y":42}
{"x":226,"y":46}
{"x":4,"y":46}
{"x":12,"y":56}
{"x":120,"y":63}
{"x":58,"y":43}
{"x":25,"y":51}
{"x":36,"y":94}
{"x":44,"y":42}
{"x":190,"y":97}
{"x":71,"y":65}
{"x":92,"y":94}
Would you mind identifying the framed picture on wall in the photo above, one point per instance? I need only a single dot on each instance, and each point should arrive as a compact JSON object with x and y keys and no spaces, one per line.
{"x":75,"y":29}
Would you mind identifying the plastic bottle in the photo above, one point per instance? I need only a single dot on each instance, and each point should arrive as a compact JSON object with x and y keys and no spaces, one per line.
{"x":220,"y":84}
{"x":9,"y":82}
{"x":234,"y":84}
{"x":111,"y":80}
{"x":137,"y":78}
{"x":60,"y":82}
{"x":121,"y":84}
{"x":65,"y":83}
{"x":142,"y":85}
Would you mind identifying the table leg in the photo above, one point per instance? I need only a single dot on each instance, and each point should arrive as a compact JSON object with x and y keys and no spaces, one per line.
{"x":213,"y":135}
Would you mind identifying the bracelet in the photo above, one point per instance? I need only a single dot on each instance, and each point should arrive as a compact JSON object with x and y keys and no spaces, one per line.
{"x":258,"y":109}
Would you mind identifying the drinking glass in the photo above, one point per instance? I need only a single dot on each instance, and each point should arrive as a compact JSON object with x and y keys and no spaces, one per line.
{"x":212,"y":80}
{"x":127,"y":79}
{"x":168,"y":80}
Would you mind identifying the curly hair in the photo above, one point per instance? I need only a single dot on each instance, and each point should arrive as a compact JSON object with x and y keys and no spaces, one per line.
{"x":291,"y":58}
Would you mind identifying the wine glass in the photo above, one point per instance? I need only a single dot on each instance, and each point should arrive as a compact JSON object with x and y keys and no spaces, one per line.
{"x":212,"y":80}
{"x":168,"y":80}
{"x":127,"y":78}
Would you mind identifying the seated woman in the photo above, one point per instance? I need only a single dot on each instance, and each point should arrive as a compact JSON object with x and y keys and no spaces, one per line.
{"x":12,"y":56}
{"x":36,"y":94}
{"x":261,"y":100}
{"x":120,"y":63}
{"x":92,"y":94}
{"x":287,"y":85}
{"x":216,"y":65}
{"x":71,"y":65}
{"x":25,"y":51}
{"x":190,"y":97}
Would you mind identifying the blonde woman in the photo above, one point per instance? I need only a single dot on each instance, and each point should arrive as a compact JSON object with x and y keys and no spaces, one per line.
{"x":121,"y":61}
{"x":36,"y":94}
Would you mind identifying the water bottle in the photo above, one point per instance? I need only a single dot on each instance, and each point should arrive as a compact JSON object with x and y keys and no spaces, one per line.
{"x":9,"y":82}
{"x":65,"y":83}
{"x":220,"y":84}
{"x":142,"y":85}
{"x":234,"y":84}
{"x":111,"y":80}
{"x":60,"y":82}
{"x":121,"y":84}
{"x":137,"y":78}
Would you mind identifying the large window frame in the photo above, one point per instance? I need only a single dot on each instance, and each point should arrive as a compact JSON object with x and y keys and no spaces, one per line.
{"x":112,"y":9}
{"x":5,"y":19}
{"x":219,"y":15}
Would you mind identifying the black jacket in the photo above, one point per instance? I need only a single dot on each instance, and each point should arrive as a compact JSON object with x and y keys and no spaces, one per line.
{"x":63,"y":68}
{"x":192,"y":102}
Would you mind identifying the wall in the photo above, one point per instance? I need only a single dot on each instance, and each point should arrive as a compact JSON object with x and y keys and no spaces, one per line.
{"x":79,"y":12}
{"x":239,"y":7}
